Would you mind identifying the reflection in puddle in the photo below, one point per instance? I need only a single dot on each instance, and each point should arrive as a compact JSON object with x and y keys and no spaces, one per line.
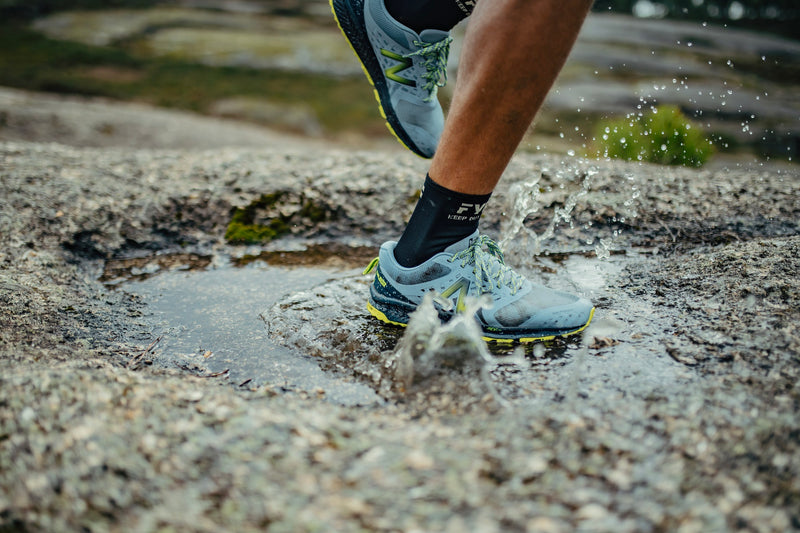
{"x":330,"y":255}
{"x":141,"y":268}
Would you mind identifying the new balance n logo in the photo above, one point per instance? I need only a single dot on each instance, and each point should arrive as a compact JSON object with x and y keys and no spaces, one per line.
{"x":462,"y":287}
{"x":403,"y":63}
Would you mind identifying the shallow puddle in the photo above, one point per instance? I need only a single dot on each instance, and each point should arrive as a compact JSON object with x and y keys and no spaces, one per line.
{"x":206,"y":310}
{"x":295,"y":321}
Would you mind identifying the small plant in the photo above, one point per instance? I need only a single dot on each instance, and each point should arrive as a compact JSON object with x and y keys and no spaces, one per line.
{"x":665,"y":136}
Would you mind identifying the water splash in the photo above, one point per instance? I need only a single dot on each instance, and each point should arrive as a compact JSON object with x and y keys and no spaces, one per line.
{"x":429,"y":348}
{"x":526,"y":200}
{"x":603,"y":249}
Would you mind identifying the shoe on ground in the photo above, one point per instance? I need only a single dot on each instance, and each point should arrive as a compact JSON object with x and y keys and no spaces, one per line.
{"x":404,"y":67}
{"x":520,"y":311}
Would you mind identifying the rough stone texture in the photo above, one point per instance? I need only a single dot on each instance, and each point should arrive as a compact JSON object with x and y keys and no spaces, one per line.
{"x":87,"y":443}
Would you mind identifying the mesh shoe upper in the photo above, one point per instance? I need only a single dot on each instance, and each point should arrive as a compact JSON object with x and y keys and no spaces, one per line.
{"x":405,"y":68}
{"x":472,"y":267}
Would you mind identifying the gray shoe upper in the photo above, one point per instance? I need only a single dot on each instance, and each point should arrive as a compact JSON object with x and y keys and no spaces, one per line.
{"x":408,"y":74}
{"x":518,"y":304}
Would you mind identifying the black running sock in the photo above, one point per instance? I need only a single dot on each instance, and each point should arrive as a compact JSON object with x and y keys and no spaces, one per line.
{"x":441,"y":218}
{"x":430,"y":14}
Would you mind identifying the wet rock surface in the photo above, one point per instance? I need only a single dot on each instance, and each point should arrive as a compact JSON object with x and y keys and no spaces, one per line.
{"x":678,"y":412}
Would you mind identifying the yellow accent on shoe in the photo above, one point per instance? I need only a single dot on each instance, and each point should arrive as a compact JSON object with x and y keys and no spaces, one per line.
{"x":524,"y":340}
{"x":382,"y":317}
{"x":532,"y":339}
{"x":371,"y":266}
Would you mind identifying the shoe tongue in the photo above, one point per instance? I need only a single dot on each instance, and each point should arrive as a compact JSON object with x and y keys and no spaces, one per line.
{"x":463,"y":244}
{"x":433,"y":36}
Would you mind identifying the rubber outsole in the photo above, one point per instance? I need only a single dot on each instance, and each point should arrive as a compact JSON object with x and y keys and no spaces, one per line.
{"x":524,"y":338}
{"x":355,"y":33}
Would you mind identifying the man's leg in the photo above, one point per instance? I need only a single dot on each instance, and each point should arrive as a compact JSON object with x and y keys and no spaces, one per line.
{"x":512,"y":54}
{"x":513,"y":51}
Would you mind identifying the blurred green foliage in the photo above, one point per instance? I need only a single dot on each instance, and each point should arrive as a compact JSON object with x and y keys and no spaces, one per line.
{"x":29,"y":60}
{"x":665,"y":136}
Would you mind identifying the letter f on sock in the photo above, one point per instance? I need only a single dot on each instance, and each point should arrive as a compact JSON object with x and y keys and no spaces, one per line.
{"x":464,"y":207}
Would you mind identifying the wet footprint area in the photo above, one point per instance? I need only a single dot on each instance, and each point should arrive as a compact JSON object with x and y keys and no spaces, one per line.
{"x":294,"y":321}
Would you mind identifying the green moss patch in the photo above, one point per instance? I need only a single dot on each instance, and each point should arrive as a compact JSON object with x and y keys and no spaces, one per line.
{"x":274,"y":215}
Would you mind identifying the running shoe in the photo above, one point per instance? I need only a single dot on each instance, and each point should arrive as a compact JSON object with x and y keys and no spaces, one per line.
{"x":404,"y":67}
{"x":521,"y":311}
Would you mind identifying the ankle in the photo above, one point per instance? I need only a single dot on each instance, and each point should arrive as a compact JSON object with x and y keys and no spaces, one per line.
{"x":441,"y":218}
{"x":422,"y":15}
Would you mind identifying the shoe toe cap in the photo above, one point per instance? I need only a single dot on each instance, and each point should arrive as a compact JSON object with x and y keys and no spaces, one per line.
{"x":570,"y":312}
{"x":423,"y":124}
